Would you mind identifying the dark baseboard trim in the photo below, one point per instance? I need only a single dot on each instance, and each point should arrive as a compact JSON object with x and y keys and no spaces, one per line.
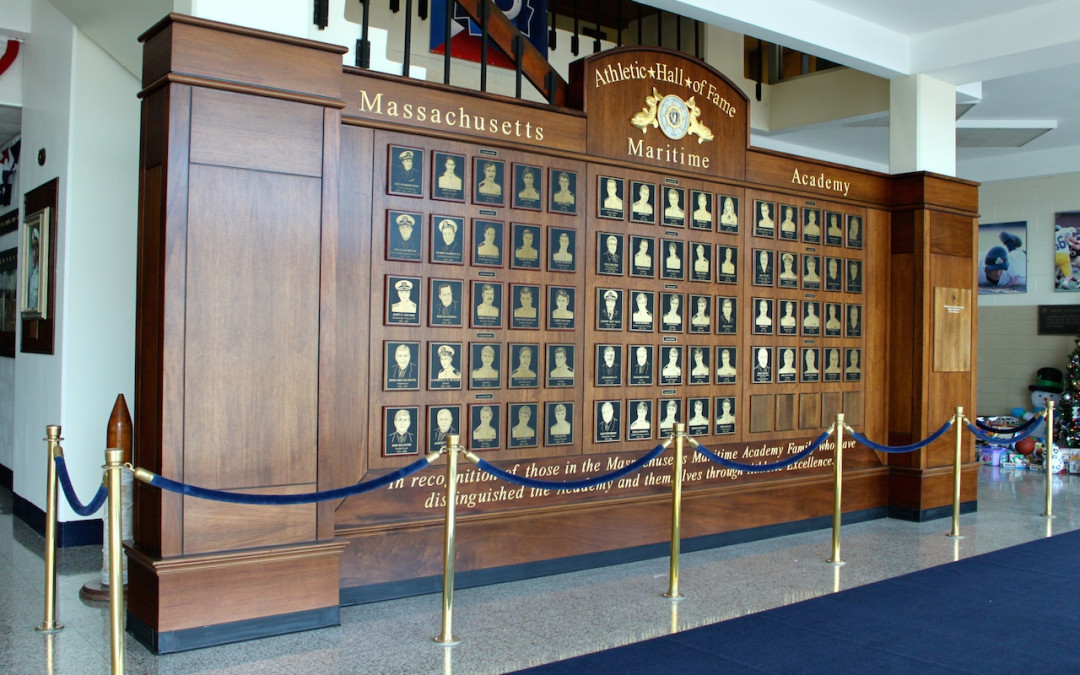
{"x":7,"y":478}
{"x":71,"y":533}
{"x":935,"y":513}
{"x":171,"y":642}
{"x":356,"y":595}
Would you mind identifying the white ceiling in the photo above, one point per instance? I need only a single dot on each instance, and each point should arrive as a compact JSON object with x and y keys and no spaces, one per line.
{"x":1022,"y":57}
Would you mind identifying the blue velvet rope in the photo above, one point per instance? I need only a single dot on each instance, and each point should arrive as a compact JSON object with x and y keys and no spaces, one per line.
{"x":306,"y":498}
{"x":572,"y":484}
{"x":986,"y":438}
{"x":1008,"y":430}
{"x":760,"y":468}
{"x":900,"y":448}
{"x":69,"y":491}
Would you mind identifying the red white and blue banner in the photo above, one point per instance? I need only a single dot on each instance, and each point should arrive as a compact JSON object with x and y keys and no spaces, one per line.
{"x":530,"y":17}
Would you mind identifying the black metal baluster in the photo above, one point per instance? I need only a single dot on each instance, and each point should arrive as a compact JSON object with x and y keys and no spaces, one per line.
{"x":395,"y":6}
{"x":618,"y":21}
{"x":519,"y":51}
{"x":552,"y":32}
{"x":574,"y":40}
{"x":678,"y":32}
{"x":659,"y":28}
{"x":640,"y":28}
{"x":408,"y":38}
{"x":697,"y":39}
{"x":450,"y":6}
{"x":596,"y":38}
{"x":363,"y":45}
{"x":422,"y":10}
{"x":322,"y":13}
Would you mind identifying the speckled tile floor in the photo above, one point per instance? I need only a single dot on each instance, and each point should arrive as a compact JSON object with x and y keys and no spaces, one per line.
{"x":513,"y":625}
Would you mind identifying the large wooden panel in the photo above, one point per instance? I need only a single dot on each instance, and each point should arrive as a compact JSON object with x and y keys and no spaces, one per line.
{"x":219,"y":526}
{"x":821,"y":179}
{"x":252,"y":316}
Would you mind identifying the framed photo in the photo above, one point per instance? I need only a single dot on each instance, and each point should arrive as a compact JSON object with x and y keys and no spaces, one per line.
{"x":700,"y":368}
{"x":643,"y":311}
{"x":831,"y":372}
{"x":852,"y":365}
{"x":729,"y":214}
{"x":561,"y":307}
{"x":833,"y":323}
{"x":609,"y":365}
{"x":811,"y":272}
{"x":699,"y":421}
{"x":811,"y":226}
{"x":640,"y":372}
{"x":701,"y":316}
{"x":701,"y":266}
{"x":789,"y":270}
{"x":764,"y":224}
{"x":402,"y":296}
{"x":609,"y":198}
{"x":609,"y":309}
{"x":484,"y":431}
{"x":727,"y":315}
{"x":763,"y":267}
{"x":9,"y":282}
{"x":701,"y":218}
{"x":1066,"y":250}
{"x":528,"y":187}
{"x":763,"y":365}
{"x":526,"y":240}
{"x":525,"y":306}
{"x":522,"y":418}
{"x":642,"y":264}
{"x":399,"y":430}
{"x":560,"y":360}
{"x":834,"y":228}
{"x":489,"y":177}
{"x":671,"y":370}
{"x":448,"y":176}
{"x":445,"y":297}
{"x":560,"y":423}
{"x":400,"y":369}
{"x":674,"y":207}
{"x":727,"y":359}
{"x":33,"y":266}
{"x":406,"y":171}
{"x":487,"y":239}
{"x":811,"y":370}
{"x":725,"y":415}
{"x":834,"y":280}
{"x":788,"y":323}
{"x":853,"y":283}
{"x":563,"y":192}
{"x":402,"y":239}
{"x":524,"y":364}
{"x":487,"y":304}
{"x":442,"y":420}
{"x":485,"y":361}
{"x":643,"y":206}
{"x":788,"y":370}
{"x":610,"y":254}
{"x":444,"y":365}
{"x":447,"y":240}
{"x":1002,"y":261}
{"x":670,"y":413}
{"x":811,"y":318}
{"x":789,"y":223}
{"x":727,"y":264}
{"x":853,"y":324}
{"x":763,"y":316}
{"x":639,"y":419}
{"x":854,"y":232}
{"x":562,"y":249}
{"x":674,"y":260}
{"x":608,"y":416}
{"x":9,"y":222}
{"x":671,"y":321}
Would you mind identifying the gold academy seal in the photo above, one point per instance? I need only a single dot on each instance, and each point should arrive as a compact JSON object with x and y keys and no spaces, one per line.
{"x":673,"y":116}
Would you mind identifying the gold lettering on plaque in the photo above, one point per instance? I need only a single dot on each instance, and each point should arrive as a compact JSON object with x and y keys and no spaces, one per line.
{"x":952,"y":330}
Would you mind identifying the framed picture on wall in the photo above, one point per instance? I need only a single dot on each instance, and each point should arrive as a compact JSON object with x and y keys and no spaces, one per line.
{"x":406,"y":169}
{"x":1067,"y":251}
{"x":34,"y":272}
{"x":1002,"y":258}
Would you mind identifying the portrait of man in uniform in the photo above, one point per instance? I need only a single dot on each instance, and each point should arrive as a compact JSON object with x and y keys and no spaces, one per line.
{"x":445,"y":302}
{"x":609,"y":309}
{"x":524,"y":364}
{"x":487,"y":304}
{"x":525,"y":300}
{"x":560,"y":360}
{"x":402,"y":301}
{"x":560,"y":421}
{"x":789,"y":270}
{"x":762,"y":372}
{"x":448,"y":184}
{"x":442,"y":420}
{"x":639,"y":419}
{"x":399,"y":426}
{"x":608,"y":416}
{"x":608,"y":365}
{"x":406,"y":171}
{"x":487,"y":243}
{"x":484,"y":426}
{"x":447,"y":236}
{"x":526,"y":240}
{"x":610,"y":198}
{"x":489,"y":177}
{"x":444,"y":365}
{"x":523,"y":418}
{"x":400,"y":365}
{"x":563,"y":192}
{"x":528,"y":187}
{"x":641,"y":365}
{"x":610,"y":254}
{"x":402,"y":241}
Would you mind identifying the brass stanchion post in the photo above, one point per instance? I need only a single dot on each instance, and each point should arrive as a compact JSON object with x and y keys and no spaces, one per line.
{"x":958,"y":419}
{"x":114,"y":468}
{"x":49,"y":623}
{"x":446,"y":637}
{"x":1048,"y":459}
{"x":679,"y":430}
{"x":838,"y":474}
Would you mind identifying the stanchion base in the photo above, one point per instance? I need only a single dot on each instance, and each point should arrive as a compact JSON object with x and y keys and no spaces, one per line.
{"x":46,"y":628}
{"x":669,"y":596}
{"x":835,"y":562}
{"x":950,"y":535}
{"x":1047,"y":515}
{"x":446,"y":642}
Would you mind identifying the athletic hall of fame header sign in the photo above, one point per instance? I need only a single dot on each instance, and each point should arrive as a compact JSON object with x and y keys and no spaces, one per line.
{"x":663,"y":109}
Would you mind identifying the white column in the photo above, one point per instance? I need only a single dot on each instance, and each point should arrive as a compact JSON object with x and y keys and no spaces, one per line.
{"x":922,"y":125}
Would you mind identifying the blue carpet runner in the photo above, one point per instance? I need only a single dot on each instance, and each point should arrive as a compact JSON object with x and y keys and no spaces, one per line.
{"x":1016,"y":610}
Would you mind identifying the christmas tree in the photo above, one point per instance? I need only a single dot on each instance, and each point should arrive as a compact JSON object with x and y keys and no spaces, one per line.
{"x":1067,"y":414}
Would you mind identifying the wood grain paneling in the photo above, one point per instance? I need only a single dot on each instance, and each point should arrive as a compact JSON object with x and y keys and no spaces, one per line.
{"x":220,"y":526}
{"x":781,"y":171}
